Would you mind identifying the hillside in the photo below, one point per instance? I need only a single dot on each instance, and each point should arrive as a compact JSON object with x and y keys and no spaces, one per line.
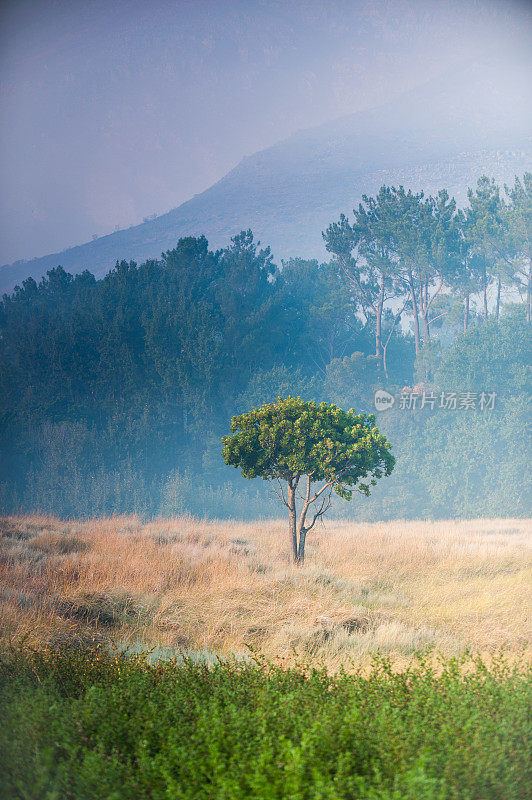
{"x":430,"y":137}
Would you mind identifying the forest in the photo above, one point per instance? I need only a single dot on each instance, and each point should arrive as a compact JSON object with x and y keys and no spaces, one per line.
{"x":115,"y":392}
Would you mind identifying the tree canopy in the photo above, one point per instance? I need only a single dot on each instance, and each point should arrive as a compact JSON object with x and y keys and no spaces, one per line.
{"x":292,"y":439}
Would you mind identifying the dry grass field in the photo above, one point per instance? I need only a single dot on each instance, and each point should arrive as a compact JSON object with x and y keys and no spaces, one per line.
{"x":224,"y":587}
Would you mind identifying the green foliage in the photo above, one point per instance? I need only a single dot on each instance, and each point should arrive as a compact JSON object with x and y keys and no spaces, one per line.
{"x":352,"y":380}
{"x":323,"y":320}
{"x":490,"y":356}
{"x":293,"y":437}
{"x":482,"y":468}
{"x":403,"y":247}
{"x":88,"y":726}
{"x":185,"y":493}
{"x":519,"y":236}
{"x":276,"y":382}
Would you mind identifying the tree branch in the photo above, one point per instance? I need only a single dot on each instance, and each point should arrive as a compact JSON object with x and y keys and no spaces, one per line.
{"x":394,"y":322}
{"x":282,"y":492}
{"x":434,"y":296}
{"x":323,"y":488}
{"x":353,"y":278}
{"x":280,"y":496}
{"x":326,"y":502}
{"x":430,"y":321}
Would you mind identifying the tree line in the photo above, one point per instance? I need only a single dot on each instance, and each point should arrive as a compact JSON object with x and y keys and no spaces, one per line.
{"x":404,"y":252}
{"x":114,"y":393}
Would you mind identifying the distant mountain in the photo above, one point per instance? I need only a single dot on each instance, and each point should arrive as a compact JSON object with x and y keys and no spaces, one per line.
{"x":445,"y":133}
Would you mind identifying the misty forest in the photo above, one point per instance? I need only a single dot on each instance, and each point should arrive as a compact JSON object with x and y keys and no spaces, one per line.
{"x":115,"y":392}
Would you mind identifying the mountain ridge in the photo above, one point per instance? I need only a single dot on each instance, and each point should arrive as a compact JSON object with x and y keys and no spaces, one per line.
{"x":428,"y":138}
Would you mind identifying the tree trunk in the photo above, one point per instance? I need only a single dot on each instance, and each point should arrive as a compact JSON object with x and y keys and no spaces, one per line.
{"x":416,"y":319}
{"x":378,"y":322}
{"x":292,"y":524}
{"x":424,"y":308}
{"x":529,"y":295}
{"x":301,"y":548}
{"x":302,"y":531}
{"x":466,"y":312}
{"x":426,"y":331}
{"x":498,"y":305}
{"x":384,"y":364}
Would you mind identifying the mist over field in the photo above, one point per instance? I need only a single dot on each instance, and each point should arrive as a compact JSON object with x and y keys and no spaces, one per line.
{"x":306,"y":270}
{"x":265,"y":382}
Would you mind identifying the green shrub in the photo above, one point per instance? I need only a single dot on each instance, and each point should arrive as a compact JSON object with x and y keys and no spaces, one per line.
{"x":84,"y":726}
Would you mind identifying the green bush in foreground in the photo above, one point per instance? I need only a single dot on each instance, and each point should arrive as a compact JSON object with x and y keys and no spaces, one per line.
{"x":87,"y":726}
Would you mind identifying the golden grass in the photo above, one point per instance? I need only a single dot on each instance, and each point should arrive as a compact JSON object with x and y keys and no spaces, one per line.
{"x":225,"y":586}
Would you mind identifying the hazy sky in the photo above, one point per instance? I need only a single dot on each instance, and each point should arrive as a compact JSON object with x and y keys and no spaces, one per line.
{"x":111,"y":111}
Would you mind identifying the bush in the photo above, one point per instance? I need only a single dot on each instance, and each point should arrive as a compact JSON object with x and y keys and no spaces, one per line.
{"x":87,"y":726}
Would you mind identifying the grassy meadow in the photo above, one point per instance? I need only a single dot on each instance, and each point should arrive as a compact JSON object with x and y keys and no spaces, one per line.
{"x":225,"y":587}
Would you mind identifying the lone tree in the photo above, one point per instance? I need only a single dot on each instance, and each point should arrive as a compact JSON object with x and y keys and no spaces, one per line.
{"x":322,"y":446}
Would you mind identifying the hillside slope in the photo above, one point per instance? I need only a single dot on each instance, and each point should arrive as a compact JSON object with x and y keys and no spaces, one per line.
{"x":431,"y":137}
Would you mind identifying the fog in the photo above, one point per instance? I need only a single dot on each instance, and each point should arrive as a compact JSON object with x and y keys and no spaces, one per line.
{"x":111,"y":112}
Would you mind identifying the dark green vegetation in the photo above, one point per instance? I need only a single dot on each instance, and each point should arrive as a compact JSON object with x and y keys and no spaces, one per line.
{"x":83,"y":726}
{"x":114,"y":393}
{"x":292,"y":440}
